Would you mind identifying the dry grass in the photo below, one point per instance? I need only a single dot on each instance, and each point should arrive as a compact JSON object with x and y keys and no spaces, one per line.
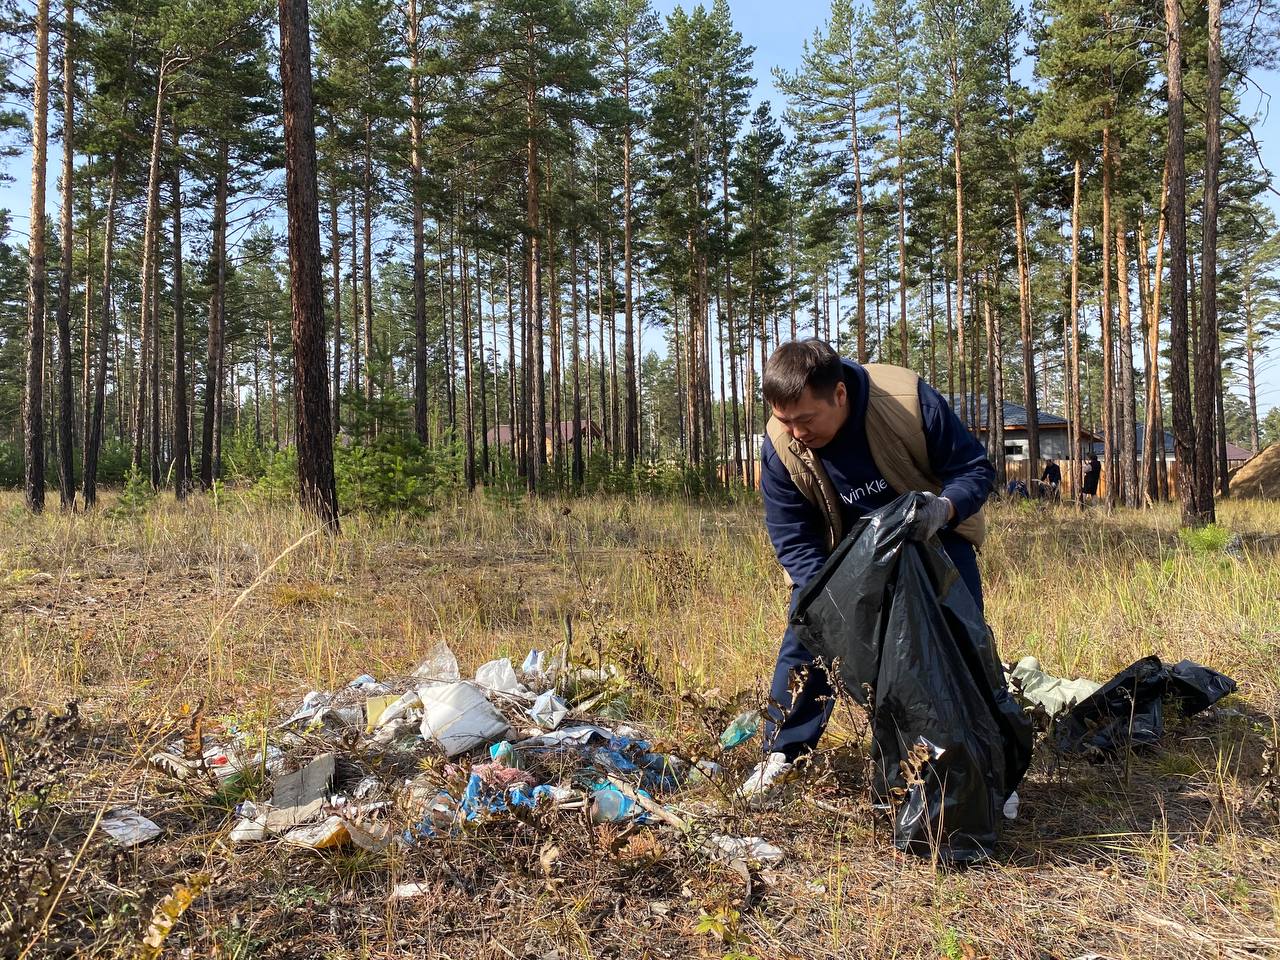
{"x":1172,"y":853}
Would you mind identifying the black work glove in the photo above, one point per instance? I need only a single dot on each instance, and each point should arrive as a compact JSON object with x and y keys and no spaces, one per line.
{"x":932,"y":513}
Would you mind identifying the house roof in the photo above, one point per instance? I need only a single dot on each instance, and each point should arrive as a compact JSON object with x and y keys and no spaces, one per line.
{"x":1015,"y":416}
{"x":1234,"y":452}
{"x":503,"y":432}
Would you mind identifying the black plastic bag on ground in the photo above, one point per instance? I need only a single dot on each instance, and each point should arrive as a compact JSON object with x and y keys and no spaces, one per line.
{"x":903,"y":636}
{"x":1129,"y":709}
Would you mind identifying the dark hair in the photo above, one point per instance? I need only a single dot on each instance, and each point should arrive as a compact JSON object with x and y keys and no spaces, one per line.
{"x":798,"y":364}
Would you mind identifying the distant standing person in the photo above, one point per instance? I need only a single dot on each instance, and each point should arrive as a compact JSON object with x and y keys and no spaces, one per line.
{"x":1092,"y":474}
{"x":1051,"y":478}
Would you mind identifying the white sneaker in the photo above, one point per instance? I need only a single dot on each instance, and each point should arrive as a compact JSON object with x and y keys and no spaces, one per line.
{"x":764,"y":781}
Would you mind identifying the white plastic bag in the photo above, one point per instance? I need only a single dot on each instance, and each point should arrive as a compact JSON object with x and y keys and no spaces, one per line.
{"x":440,"y":665}
{"x":500,"y":677}
{"x":459,"y":718}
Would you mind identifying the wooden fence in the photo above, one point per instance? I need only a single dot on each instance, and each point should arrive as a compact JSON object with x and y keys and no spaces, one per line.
{"x":1015,"y":469}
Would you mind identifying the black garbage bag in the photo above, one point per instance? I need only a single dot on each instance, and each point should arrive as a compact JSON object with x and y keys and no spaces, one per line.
{"x":903,"y":636}
{"x":1129,"y":709}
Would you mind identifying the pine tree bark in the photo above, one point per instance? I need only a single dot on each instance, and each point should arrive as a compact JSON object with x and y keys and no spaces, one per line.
{"x":1207,"y":364}
{"x":366,"y":285}
{"x":335,"y":262}
{"x":955,"y":129}
{"x":995,"y":388}
{"x":1251,"y":361}
{"x":1077,"y":430}
{"x":1184,"y":438}
{"x":1154,"y":464}
{"x":483,"y":401}
{"x":146,"y":326}
{"x":1109,"y":458}
{"x":469,"y":410}
{"x":97,"y":422}
{"x":553,"y":312}
{"x":211,"y":431}
{"x":538,"y":427}
{"x":33,"y":399}
{"x":902,"y":240}
{"x":1127,"y":425}
{"x":88,"y":354}
{"x":306,"y":287}
{"x":155,"y":452}
{"x":181,"y":436}
{"x":629,"y":346}
{"x":419,"y":239}
{"x":579,"y":465}
{"x":66,"y":402}
{"x":863,"y":355}
{"x":273,"y":381}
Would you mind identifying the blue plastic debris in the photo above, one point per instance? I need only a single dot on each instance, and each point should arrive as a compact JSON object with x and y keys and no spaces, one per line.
{"x":503,"y":752}
{"x":742,"y":729}
{"x":611,"y":805}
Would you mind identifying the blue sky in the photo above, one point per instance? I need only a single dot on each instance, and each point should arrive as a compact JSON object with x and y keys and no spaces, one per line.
{"x":777,"y":30}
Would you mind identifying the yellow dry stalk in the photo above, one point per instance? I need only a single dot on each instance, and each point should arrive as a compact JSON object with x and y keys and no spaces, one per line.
{"x":167,"y":914}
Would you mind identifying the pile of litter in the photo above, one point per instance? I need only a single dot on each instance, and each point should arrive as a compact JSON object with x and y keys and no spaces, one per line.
{"x":405,"y":761}
{"x":1260,"y":477}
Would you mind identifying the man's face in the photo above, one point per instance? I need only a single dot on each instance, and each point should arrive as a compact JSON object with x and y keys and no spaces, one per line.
{"x":814,"y":420}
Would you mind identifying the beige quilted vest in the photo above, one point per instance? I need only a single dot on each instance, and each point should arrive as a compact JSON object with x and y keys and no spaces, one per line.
{"x":895,"y":433}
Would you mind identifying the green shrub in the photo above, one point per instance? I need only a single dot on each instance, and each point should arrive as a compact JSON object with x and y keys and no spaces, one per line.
{"x":244,"y":458}
{"x":136,"y":497}
{"x":394,"y":475}
{"x":1211,"y":539}
{"x":279,"y":480}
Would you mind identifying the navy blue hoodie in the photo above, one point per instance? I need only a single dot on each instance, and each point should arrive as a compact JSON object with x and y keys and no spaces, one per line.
{"x":956,"y":457}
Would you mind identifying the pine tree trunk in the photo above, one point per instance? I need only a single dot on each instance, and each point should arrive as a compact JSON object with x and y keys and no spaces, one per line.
{"x":960,"y":344}
{"x":1250,"y":362}
{"x":335,"y":262}
{"x":553,"y":310}
{"x":273,"y":380}
{"x":88,"y":355}
{"x":902,"y":240}
{"x":1027,"y":334}
{"x":483,"y":402}
{"x":1076,"y":432}
{"x":469,"y":409}
{"x":33,"y":399}
{"x":66,"y":402}
{"x":579,"y":466}
{"x":181,"y":436}
{"x":1154,"y":465}
{"x":154,"y":448}
{"x":1179,"y":373}
{"x":615,"y":397}
{"x":860,"y":222}
{"x":306,"y":285}
{"x":366,"y":286}
{"x":1224,"y":479}
{"x":211,"y":434}
{"x":538,"y":427}
{"x":512,"y":417}
{"x":419,"y":239}
{"x":629,"y":348}
{"x":1109,"y":458}
{"x":145,"y":324}
{"x":353,"y":376}
{"x":97,"y":423}
{"x":1127,"y":426}
{"x":1207,"y":364}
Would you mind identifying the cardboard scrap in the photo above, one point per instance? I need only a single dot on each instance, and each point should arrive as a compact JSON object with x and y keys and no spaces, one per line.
{"x":299,"y":796}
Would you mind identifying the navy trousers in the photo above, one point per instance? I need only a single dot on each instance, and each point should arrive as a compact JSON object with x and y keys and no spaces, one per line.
{"x":794,"y":725}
